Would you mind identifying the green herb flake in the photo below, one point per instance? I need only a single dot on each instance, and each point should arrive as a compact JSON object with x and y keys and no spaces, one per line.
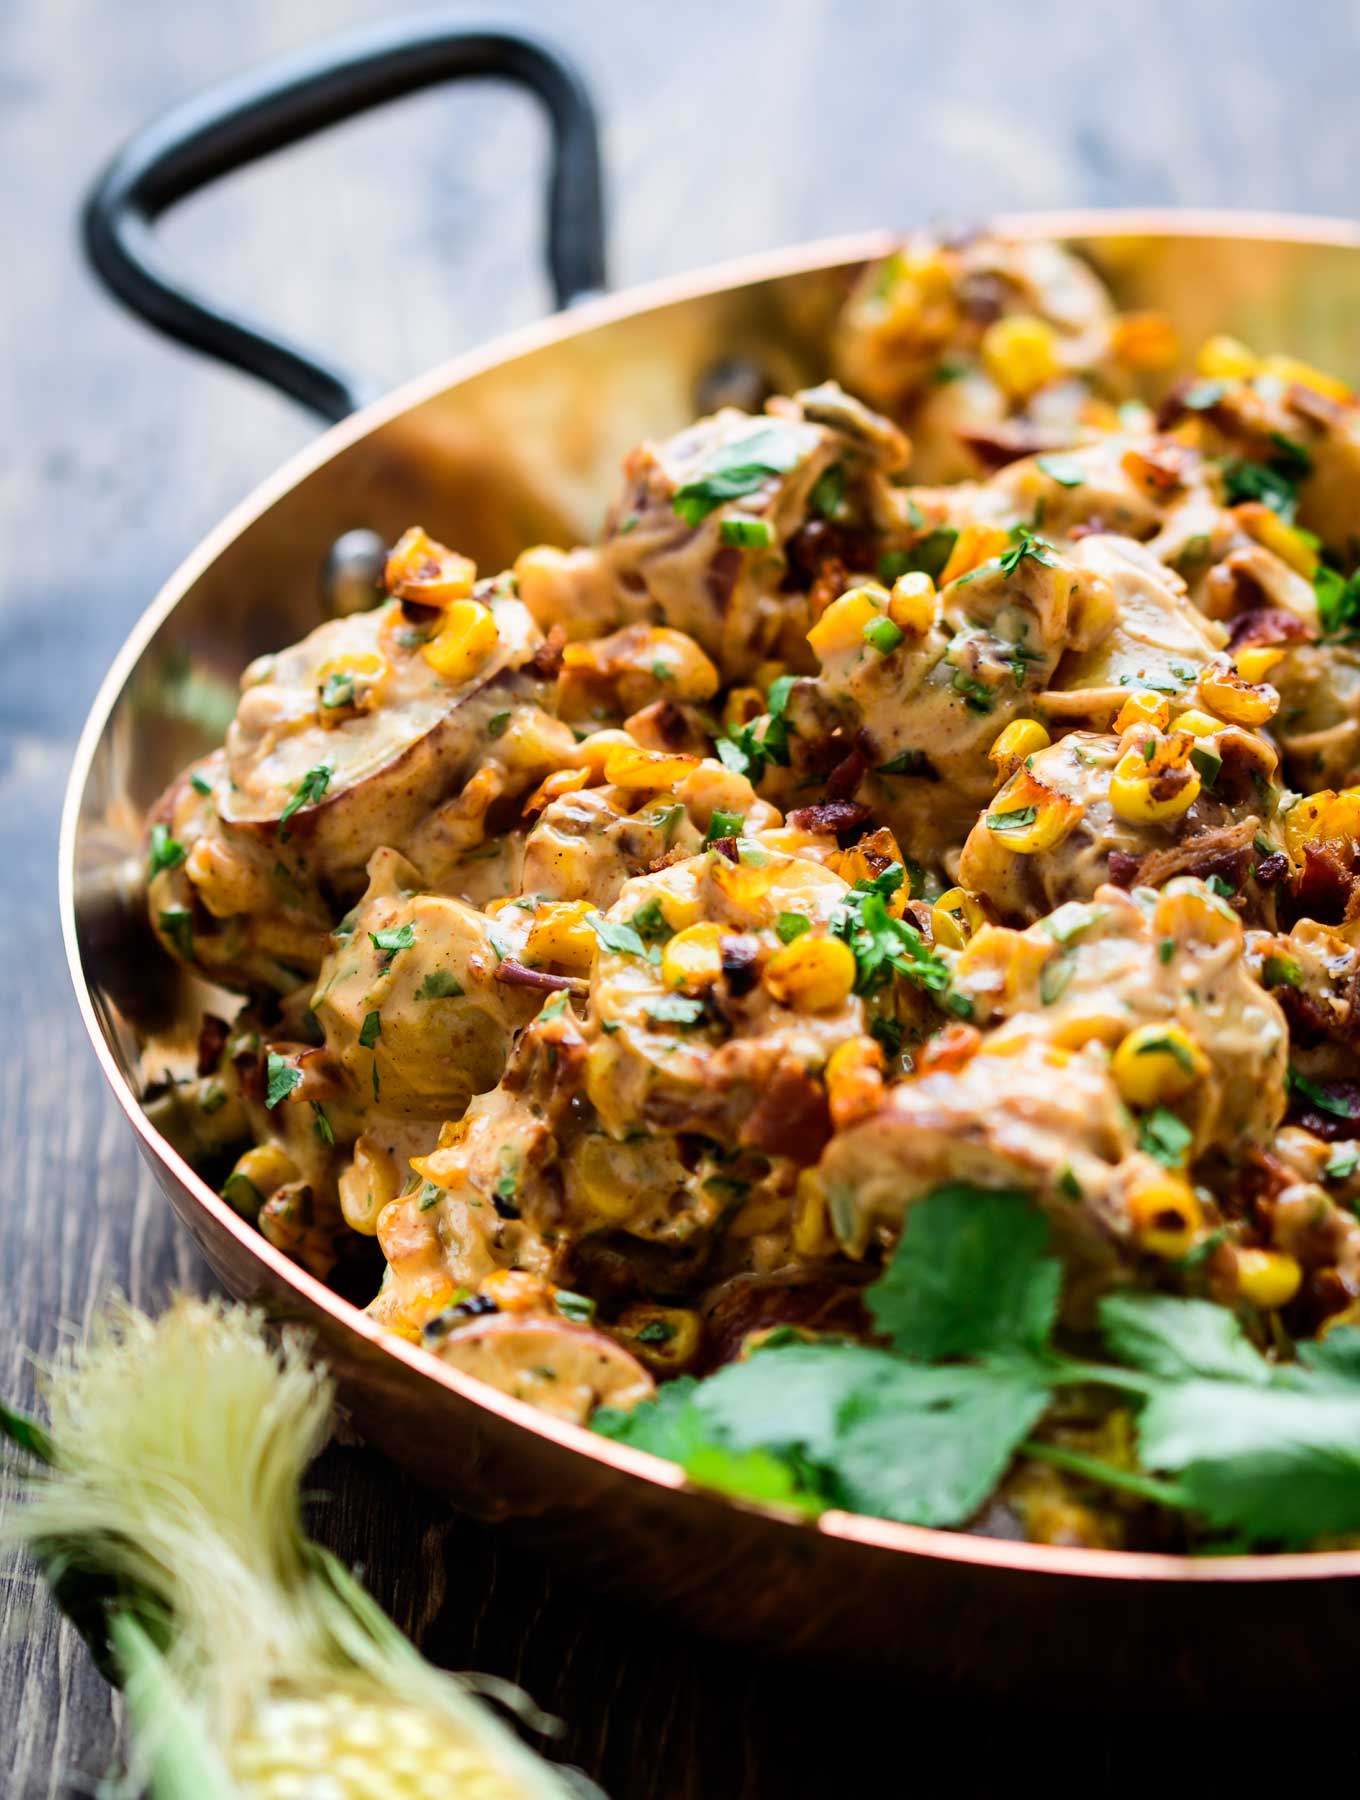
{"x":1309,"y":1091}
{"x":739,"y":468}
{"x":747,"y":533}
{"x":674,"y":1009}
{"x":496,"y":724}
{"x":1281,"y":971}
{"x":1342,"y":1163}
{"x":394,"y":938}
{"x":828,"y":493}
{"x":164,"y":852}
{"x":622,"y":940}
{"x":1011,"y":821}
{"x":883,"y":635}
{"x":322,"y":1125}
{"x":309,"y":791}
{"x":1065,"y":470}
{"x":282,"y":1079}
{"x":430,"y":1195}
{"x":790,"y":925}
{"x":1208,"y":762}
{"x":724,"y":825}
{"x":439,"y":985}
{"x":200,"y":783}
{"x":1163,"y":1136}
{"x":371,"y":1029}
{"x":579,"y":1308}
{"x":177,"y":923}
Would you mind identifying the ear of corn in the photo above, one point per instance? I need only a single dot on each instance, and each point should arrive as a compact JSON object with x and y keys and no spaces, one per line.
{"x":257,"y":1667}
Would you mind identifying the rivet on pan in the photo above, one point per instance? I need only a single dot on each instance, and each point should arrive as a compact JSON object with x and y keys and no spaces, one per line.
{"x":351,"y":577}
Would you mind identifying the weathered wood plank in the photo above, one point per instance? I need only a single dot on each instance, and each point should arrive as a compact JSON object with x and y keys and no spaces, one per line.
{"x":398,"y":239}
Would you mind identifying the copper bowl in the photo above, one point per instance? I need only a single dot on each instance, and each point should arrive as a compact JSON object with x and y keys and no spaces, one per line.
{"x":519,"y":442}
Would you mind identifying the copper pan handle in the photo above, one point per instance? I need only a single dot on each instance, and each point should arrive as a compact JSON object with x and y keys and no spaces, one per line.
{"x":269,"y":108}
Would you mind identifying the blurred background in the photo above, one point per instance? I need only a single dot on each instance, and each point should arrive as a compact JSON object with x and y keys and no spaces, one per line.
{"x":391,"y":243}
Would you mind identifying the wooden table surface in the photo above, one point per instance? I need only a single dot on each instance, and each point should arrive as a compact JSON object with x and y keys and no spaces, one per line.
{"x":392,"y":242}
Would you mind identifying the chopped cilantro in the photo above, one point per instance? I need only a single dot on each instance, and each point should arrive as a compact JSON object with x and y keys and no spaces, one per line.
{"x":828,"y":492}
{"x":496,"y":724}
{"x":1281,"y":971}
{"x":579,"y":1308}
{"x":1165,"y":1137}
{"x":790,"y":925}
{"x":322,"y":1125}
{"x":1166,"y":949}
{"x":439,"y":985}
{"x":906,"y":762}
{"x":927,"y":556}
{"x":200,"y":783}
{"x":674,"y":1009}
{"x":371,"y":1029}
{"x":1342,"y":1163}
{"x":165,"y":852}
{"x":308,"y":791}
{"x":394,"y":938}
{"x":884,"y":945}
{"x":1338,"y":601}
{"x":1011,"y":821}
{"x":430,"y":1195}
{"x":337,"y":690}
{"x":1338,"y":1105}
{"x":1217,"y":885}
{"x":177,"y":922}
{"x":623,"y":940}
{"x":282,"y":1079}
{"x":650,"y":922}
{"x":656,"y":1331}
{"x":738,"y":468}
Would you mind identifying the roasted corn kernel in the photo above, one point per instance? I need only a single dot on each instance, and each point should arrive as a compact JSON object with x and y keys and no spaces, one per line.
{"x":1267,"y":1278}
{"x":854,"y":1080}
{"x":1021,"y":738}
{"x":1329,"y":815}
{"x":465,"y":640}
{"x":1255,"y":664}
{"x":693,"y":958}
{"x":1020,"y":354}
{"x":1148,"y":791}
{"x":424,"y":571}
{"x":812,"y":974}
{"x":913,"y":603}
{"x":841,"y":626}
{"x":1028,"y":816}
{"x":1224,"y":358}
{"x":1166,"y":1216}
{"x":1144,"y":341}
{"x":975,"y":545}
{"x":1157,"y":1063}
{"x":955,"y":917}
{"x":1267,"y":527}
{"x":561,"y":936}
{"x":1144,"y":707}
{"x":1238,"y":701}
{"x":628,"y":766}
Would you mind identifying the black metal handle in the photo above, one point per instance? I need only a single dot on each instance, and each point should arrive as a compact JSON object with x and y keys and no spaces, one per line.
{"x":248,"y":117}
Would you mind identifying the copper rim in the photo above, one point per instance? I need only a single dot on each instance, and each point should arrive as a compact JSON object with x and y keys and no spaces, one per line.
{"x":944,"y":1546}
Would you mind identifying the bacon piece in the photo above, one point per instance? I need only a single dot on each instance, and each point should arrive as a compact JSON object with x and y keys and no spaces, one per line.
{"x":1266,"y":625}
{"x":212,"y":1041}
{"x":829,"y":815}
{"x":791,"y":1118}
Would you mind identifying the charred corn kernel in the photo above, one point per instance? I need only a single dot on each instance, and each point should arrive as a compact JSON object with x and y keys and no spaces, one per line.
{"x":419,"y":569}
{"x":1329,"y":814}
{"x":666,"y":1338}
{"x":679,"y":910}
{"x":1267,"y":527}
{"x":1267,"y":1278}
{"x":1144,"y":341}
{"x":741,"y":706}
{"x":464,"y":642}
{"x":1255,"y":664}
{"x":812,"y":974}
{"x":1198,"y":724}
{"x":1089,"y":1022}
{"x":1028,"y":817}
{"x":552,"y":787}
{"x":1236,"y":700}
{"x":975,"y":545}
{"x":745,"y":887}
{"x":812,"y":1234}
{"x":1020,"y":353}
{"x":1144,"y":707}
{"x":517,"y":1291}
{"x":543,"y":583}
{"x":1001,"y":963}
{"x":868,"y":859}
{"x":346,"y":683}
{"x":1156,"y":1063}
{"x":913,"y":603}
{"x":1147,"y":791}
{"x":955,"y":917}
{"x":1021,"y":738}
{"x":1302,"y":374}
{"x":1166,"y":1216}
{"x":841,"y":626}
{"x":1224,"y":358}
{"x":560,"y":935}
{"x":601,"y":1170}
{"x":854,"y":1080}
{"x":367,"y":1185}
{"x":693,"y":957}
{"x":763,"y":1212}
{"x":1189,"y":913}
{"x":634,"y":768}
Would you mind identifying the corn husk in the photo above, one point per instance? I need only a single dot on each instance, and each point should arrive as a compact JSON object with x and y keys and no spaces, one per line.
{"x":166,"y":1514}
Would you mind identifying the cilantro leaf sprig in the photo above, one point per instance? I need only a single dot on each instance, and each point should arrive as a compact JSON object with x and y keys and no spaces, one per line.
{"x":922,"y":1430}
{"x":738,"y":468}
{"x":884,"y":945}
